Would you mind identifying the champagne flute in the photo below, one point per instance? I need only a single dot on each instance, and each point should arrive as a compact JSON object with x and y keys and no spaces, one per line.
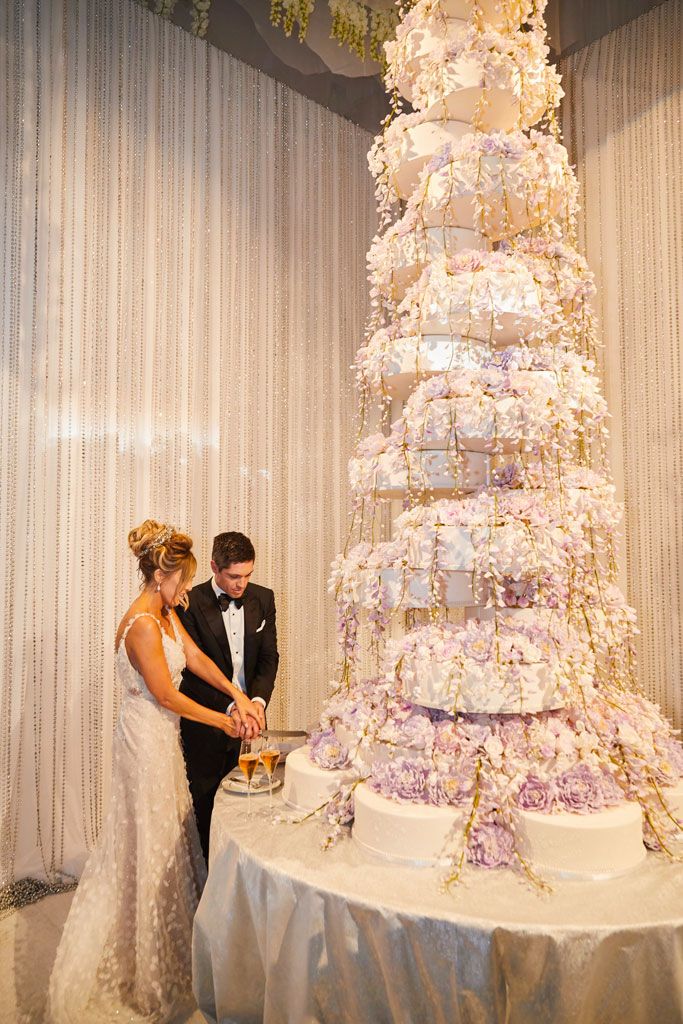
{"x":248,"y":760}
{"x":269,"y":756}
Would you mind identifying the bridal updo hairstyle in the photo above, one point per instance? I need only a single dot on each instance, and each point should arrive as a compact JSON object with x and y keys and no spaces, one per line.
{"x":157,"y":546}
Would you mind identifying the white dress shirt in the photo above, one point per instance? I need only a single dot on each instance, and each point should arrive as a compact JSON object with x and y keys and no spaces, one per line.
{"x":233,"y":621}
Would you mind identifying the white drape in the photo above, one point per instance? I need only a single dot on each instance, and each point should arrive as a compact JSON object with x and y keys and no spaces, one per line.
{"x":183,"y":291}
{"x":622,"y":121}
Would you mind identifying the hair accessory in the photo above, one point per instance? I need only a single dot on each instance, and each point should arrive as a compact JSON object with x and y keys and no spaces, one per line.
{"x":165,"y":535}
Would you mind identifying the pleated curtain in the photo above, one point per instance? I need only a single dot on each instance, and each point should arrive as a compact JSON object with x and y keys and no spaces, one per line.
{"x":183,"y":291}
{"x":623,"y":125}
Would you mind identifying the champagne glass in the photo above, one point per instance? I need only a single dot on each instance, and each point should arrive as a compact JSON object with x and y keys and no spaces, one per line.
{"x":269,"y":757}
{"x":248,"y":760}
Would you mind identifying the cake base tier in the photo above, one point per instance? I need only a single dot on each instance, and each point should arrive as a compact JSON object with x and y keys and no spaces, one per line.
{"x":308,"y":787}
{"x":605,"y":844}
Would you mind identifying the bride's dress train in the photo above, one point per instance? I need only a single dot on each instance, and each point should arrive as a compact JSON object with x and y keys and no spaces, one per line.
{"x":125,"y":953}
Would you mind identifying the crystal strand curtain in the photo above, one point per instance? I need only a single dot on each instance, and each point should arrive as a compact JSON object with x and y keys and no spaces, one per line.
{"x":622,"y":125}
{"x":183,"y":248}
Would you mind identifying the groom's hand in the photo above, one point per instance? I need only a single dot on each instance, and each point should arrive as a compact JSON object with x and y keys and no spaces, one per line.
{"x":248,"y":730}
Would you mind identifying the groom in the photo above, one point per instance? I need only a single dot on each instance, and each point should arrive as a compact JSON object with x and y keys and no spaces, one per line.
{"x":233,"y":622}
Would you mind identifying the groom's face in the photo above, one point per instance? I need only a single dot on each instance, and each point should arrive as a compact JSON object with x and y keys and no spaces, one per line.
{"x":234,"y":578}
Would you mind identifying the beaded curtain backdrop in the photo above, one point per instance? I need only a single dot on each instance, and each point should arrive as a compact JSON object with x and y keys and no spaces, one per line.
{"x":622,"y":119}
{"x":183,"y":291}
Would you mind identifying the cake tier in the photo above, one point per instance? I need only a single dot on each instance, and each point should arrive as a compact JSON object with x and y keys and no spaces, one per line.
{"x":415,"y":146}
{"x":501,"y":82}
{"x":485,"y":296}
{"x":308,"y":787}
{"x":508,"y":690}
{"x":504,"y":408}
{"x":510,"y":666}
{"x":397,"y":259}
{"x":397,"y":473}
{"x":412,"y":833}
{"x":603,"y":844}
{"x":498,"y":185}
{"x":395,"y":365}
{"x":506,"y":423}
{"x":408,"y":588}
{"x":417,"y":41}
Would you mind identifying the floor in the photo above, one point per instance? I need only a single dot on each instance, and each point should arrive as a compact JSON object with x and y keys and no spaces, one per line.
{"x":28,"y":943}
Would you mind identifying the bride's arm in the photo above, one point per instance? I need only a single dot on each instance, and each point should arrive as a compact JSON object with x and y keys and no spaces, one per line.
{"x":146,"y":652}
{"x":206,"y":669}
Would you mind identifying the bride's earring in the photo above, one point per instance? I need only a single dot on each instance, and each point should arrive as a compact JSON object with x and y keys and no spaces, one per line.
{"x":158,"y":587}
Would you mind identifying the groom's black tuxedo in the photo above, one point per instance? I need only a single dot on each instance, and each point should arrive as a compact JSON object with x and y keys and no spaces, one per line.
{"x":209,"y":753}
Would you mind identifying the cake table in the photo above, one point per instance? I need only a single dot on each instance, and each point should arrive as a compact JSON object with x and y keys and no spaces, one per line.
{"x":287,"y":933}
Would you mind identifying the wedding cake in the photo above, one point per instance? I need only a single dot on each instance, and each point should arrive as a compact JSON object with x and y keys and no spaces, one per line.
{"x":499,"y":723}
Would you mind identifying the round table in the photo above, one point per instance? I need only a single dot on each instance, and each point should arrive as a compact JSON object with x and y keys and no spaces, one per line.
{"x":287,"y":933}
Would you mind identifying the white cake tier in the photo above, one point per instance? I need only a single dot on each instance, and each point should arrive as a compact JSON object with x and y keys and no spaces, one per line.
{"x":398,"y":258}
{"x":406,"y":361}
{"x":517,"y":550}
{"x":308,"y":787}
{"x":395,"y":474}
{"x":415,"y":148}
{"x":419,"y":588}
{"x":448,"y":195}
{"x":412,"y":833}
{"x":498,"y":306}
{"x":420,"y":40}
{"x":486,"y":424}
{"x":508,"y":690}
{"x":604,"y":844}
{"x":465,"y":87}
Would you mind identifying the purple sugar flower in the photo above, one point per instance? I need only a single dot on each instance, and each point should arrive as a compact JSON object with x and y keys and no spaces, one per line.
{"x":401,"y":779}
{"x":578,"y":791}
{"x":440,"y":159}
{"x":490,"y":846}
{"x":535,"y":795}
{"x":326,"y":750}
{"x":443,"y":790}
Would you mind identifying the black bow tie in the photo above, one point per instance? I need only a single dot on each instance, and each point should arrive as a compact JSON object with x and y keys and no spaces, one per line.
{"x":225,"y":601}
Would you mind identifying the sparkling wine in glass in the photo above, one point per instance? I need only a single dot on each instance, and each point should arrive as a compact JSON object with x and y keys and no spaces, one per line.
{"x":248,"y":760}
{"x":269,"y":755}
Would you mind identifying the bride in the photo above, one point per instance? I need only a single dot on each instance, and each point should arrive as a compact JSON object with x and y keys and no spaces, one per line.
{"x":125,"y":953}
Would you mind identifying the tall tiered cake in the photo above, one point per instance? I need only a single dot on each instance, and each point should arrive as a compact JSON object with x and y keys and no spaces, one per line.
{"x":501,"y":724}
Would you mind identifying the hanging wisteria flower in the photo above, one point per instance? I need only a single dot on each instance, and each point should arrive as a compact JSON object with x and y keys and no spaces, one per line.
{"x":515,"y":63}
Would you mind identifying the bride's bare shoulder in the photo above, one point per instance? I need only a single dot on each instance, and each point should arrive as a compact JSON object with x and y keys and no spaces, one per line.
{"x":141,"y":625}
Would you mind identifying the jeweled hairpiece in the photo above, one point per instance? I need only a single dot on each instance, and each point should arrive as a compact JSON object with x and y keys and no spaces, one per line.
{"x":165,"y":535}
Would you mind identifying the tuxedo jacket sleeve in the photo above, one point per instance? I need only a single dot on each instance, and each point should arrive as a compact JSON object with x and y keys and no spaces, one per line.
{"x":203,"y":621}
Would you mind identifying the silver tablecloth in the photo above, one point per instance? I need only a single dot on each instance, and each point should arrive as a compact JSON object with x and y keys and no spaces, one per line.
{"x":288,"y":934}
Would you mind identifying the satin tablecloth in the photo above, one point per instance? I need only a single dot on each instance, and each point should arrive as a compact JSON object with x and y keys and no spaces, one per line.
{"x":286,"y":933}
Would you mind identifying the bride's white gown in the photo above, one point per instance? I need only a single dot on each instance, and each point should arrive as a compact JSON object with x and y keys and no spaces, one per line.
{"x":125,"y":953}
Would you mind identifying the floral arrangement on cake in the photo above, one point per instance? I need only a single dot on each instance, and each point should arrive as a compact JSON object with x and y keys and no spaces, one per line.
{"x":502,"y":651}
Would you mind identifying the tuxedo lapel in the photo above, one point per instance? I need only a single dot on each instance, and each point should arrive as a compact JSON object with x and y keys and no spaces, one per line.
{"x":210,"y":609}
{"x":252,"y":613}
{"x":252,"y":621}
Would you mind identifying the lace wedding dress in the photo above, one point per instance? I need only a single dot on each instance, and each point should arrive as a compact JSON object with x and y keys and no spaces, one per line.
{"x":125,"y":953}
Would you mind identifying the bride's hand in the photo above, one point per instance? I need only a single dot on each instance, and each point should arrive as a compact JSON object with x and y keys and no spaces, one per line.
{"x":232,"y":726}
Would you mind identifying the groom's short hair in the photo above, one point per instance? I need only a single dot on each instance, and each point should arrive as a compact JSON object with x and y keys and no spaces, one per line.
{"x":232,"y":547}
